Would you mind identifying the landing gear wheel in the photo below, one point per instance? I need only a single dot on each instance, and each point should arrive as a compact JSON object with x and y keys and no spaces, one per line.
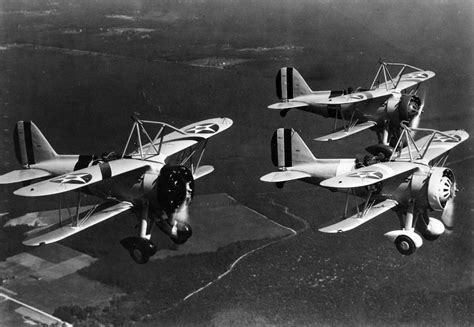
{"x":140,"y":249}
{"x":183,"y":235}
{"x":430,"y":237}
{"x":179,"y":239}
{"x":138,"y":255}
{"x":405,"y":245}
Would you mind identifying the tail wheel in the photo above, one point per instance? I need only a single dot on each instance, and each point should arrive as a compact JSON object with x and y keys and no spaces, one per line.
{"x":405,"y":245}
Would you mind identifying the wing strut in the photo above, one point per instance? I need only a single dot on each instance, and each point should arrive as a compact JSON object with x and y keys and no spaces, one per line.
{"x":414,"y":151}
{"x":139,"y":128}
{"x":346,"y":125}
{"x":367,"y":205}
{"x":387,"y":77}
{"x":79,"y":198}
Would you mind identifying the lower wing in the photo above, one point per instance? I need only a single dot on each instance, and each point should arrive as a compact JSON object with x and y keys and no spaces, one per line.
{"x":202,"y":171}
{"x":360,"y":218}
{"x":71,"y":225}
{"x":346,"y":132}
{"x":287,"y":105}
{"x":283,"y":176}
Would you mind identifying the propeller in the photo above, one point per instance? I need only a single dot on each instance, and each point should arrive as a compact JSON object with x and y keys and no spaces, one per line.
{"x":174,"y":190}
{"x":182,"y":214}
{"x":415,"y":121}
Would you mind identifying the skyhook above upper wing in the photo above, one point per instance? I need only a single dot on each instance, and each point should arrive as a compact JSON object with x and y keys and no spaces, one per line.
{"x":177,"y":141}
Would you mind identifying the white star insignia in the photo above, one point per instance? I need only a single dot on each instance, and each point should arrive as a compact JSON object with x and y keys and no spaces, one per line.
{"x":203,"y":129}
{"x":76,"y":178}
{"x":367,"y":174}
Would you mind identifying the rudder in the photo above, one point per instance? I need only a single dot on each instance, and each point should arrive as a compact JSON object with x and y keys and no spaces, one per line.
{"x":290,"y":84}
{"x":288,"y":149}
{"x":31,"y":146}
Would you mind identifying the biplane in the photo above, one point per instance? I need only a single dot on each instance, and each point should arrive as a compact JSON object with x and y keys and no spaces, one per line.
{"x":390,"y":99}
{"x":412,"y":182}
{"x":155,"y":180}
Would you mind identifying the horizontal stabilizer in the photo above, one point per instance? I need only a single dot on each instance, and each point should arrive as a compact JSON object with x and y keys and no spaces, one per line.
{"x":23,"y":175}
{"x":369,"y":175}
{"x":287,"y":105}
{"x":80,"y":178}
{"x":283,"y":176}
{"x":343,"y":133}
{"x":70,"y":226}
{"x":357,"y":220}
{"x":202,"y":171}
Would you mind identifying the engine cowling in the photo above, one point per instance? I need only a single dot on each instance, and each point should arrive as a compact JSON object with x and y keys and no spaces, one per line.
{"x":403,"y":107}
{"x":441,"y":187}
{"x":174,"y":187}
{"x":409,"y":107}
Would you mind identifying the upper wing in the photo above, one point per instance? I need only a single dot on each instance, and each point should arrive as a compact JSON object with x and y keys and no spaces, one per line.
{"x":23,"y":175}
{"x":81,"y":178}
{"x":357,"y":220}
{"x":379,"y":95}
{"x":409,"y":80}
{"x":70,"y":226}
{"x":343,"y":133}
{"x":441,"y":143}
{"x":369,"y":175}
{"x":175,"y":142}
{"x":287,"y":105}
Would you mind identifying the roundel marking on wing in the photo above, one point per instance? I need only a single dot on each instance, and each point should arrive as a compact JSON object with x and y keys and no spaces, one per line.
{"x":76,"y":178}
{"x":209,"y":128}
{"x":444,"y":138}
{"x":367,"y":174}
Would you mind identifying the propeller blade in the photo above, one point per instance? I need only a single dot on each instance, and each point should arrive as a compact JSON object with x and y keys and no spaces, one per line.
{"x":448,"y":214}
{"x":415,"y":121}
{"x":182,"y":214}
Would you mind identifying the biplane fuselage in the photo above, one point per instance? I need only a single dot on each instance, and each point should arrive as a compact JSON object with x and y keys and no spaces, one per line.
{"x":412,"y":182}
{"x":156,"y":180}
{"x":381,"y":107}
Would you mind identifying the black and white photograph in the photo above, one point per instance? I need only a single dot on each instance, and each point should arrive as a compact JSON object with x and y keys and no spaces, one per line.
{"x":236,"y":163}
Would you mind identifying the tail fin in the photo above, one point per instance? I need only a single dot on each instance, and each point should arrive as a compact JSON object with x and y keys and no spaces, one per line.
{"x":290,"y":84}
{"x":289,"y":149}
{"x":31,"y":146}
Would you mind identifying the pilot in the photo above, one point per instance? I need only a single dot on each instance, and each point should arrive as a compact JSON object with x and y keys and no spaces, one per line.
{"x":372,"y":160}
{"x":358,"y":163}
{"x":109,"y":156}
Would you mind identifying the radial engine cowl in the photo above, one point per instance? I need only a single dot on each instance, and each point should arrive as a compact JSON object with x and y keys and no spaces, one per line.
{"x":441,"y":187}
{"x":174,"y":186}
{"x":409,"y":107}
